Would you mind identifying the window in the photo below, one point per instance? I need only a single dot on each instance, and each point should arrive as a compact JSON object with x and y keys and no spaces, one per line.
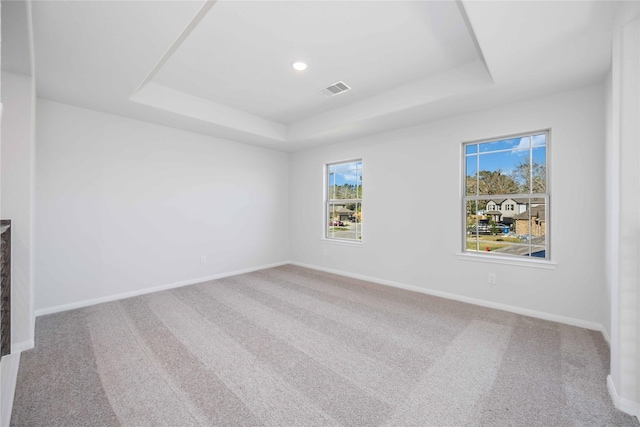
{"x":514,"y":168}
{"x":343,"y":210}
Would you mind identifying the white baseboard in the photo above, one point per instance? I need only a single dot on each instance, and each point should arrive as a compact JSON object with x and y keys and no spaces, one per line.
{"x":605,"y":334}
{"x":484,"y":303}
{"x":94,"y":301}
{"x":490,"y":304}
{"x":21,"y":346}
{"x":625,"y":405}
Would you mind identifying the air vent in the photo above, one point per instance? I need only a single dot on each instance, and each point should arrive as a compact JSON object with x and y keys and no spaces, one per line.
{"x":335,"y":89}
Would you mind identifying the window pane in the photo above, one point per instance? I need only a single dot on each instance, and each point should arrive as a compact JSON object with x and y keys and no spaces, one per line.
{"x":498,"y":173}
{"x":356,"y":222}
{"x":538,"y":252}
{"x":505,"y":144}
{"x":507,"y":232}
{"x":531,"y":224}
{"x":346,"y":171}
{"x":342,"y":167}
{"x":345,"y":221}
{"x":486,"y":231}
{"x":471,"y":184}
{"x":332,"y":183}
{"x":539,"y":140}
{"x":344,"y":209}
{"x":471,"y":225}
{"x":538,"y":228}
{"x":539,"y":170}
{"x":347,"y":177}
{"x":498,"y":223}
{"x":332,"y":212}
{"x":471,"y":149}
{"x":500,"y":243}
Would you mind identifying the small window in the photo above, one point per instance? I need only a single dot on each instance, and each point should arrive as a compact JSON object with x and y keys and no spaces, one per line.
{"x":343,"y":207}
{"x":514,"y":169}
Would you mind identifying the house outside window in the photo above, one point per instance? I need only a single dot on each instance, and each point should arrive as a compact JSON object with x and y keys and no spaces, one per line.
{"x":514,"y":171}
{"x":343,"y":207}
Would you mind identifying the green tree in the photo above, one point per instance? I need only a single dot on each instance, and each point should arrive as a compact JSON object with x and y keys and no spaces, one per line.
{"x":495,"y":182}
{"x":472,"y":185}
{"x":493,"y":227}
{"x":525,"y":172}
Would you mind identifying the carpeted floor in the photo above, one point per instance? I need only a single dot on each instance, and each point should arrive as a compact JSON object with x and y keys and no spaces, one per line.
{"x":290,"y":346}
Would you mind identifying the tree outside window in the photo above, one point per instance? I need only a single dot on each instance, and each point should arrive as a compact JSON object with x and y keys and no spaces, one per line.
{"x":514,"y":170}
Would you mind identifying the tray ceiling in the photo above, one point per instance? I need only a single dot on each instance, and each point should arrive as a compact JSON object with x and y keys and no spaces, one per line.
{"x":223,"y":68}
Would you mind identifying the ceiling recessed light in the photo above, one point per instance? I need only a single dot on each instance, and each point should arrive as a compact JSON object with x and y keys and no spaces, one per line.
{"x":300,"y":66}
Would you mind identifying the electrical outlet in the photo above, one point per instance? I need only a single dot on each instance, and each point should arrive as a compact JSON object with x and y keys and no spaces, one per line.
{"x":491,"y":278}
{"x":203,"y":259}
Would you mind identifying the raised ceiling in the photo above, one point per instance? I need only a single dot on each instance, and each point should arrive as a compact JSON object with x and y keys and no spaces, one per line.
{"x":223,"y":68}
{"x":240,"y":54}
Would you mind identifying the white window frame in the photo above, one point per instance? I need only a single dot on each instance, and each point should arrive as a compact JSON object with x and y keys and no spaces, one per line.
{"x":328,"y":201}
{"x":506,"y":258}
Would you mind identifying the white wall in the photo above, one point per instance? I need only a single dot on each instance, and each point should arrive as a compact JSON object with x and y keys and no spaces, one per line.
{"x":612,"y":200}
{"x":18,"y":151}
{"x":17,"y":178}
{"x":8,"y":376}
{"x":623,"y":274}
{"x":411,"y":219}
{"x":125,"y":206}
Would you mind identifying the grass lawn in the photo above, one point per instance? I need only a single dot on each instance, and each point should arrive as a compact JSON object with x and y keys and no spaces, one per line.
{"x":492,"y":242}
{"x":471,"y":245}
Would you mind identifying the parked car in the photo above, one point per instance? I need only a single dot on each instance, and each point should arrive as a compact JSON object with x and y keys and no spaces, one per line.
{"x":336,"y":223}
{"x":483,"y":227}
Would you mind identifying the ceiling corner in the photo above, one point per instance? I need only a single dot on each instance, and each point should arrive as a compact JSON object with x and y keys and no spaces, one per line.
{"x":472,"y":34}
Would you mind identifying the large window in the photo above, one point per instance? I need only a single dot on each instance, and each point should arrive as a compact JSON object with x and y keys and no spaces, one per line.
{"x":516,"y":169}
{"x":343,"y":208}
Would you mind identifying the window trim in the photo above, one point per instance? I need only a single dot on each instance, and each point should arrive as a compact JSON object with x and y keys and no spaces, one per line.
{"x":325,"y":213}
{"x":463,"y":254}
{"x":511,"y":260}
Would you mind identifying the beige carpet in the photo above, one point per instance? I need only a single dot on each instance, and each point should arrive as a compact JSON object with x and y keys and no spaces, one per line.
{"x":290,"y":346}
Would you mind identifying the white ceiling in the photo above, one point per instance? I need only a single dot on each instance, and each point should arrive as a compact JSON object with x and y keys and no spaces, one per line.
{"x":240,"y":54}
{"x":223,"y":68}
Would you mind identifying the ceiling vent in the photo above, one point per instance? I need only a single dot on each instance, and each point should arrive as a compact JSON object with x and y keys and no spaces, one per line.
{"x":335,"y":89}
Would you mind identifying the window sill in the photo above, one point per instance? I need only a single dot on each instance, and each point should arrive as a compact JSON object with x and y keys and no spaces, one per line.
{"x":341,"y":242}
{"x":496,"y":259}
